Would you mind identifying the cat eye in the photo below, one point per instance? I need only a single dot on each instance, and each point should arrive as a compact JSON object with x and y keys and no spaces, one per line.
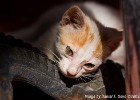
{"x":89,"y":65}
{"x":69,"y":51}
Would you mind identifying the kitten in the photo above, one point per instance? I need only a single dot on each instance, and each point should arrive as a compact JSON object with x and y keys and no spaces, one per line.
{"x":84,"y":43}
{"x":80,"y":42}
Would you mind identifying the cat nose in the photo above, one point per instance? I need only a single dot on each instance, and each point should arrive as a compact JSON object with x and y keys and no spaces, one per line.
{"x":72,"y":71}
{"x":71,"y":74}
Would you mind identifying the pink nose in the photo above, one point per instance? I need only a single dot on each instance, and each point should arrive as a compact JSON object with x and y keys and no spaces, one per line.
{"x":72,"y":71}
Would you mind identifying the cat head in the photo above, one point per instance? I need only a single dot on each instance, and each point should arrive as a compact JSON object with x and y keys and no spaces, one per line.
{"x":79,"y":44}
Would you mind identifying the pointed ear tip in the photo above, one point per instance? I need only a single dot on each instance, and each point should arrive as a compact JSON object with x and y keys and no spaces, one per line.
{"x":75,"y":7}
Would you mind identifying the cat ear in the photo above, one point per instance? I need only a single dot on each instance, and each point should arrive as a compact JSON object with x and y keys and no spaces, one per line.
{"x":110,"y":37}
{"x":73,"y":16}
{"x":113,"y":38}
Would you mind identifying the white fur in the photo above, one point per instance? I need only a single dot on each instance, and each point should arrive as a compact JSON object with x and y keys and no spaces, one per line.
{"x":84,"y":54}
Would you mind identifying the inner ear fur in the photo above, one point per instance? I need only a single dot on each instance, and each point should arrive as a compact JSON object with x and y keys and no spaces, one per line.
{"x":73,"y":16}
{"x":110,"y":37}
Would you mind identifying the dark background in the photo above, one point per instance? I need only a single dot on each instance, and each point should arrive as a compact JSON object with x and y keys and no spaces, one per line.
{"x":15,"y":14}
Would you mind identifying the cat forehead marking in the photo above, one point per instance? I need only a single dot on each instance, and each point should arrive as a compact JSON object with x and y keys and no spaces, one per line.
{"x":77,"y":38}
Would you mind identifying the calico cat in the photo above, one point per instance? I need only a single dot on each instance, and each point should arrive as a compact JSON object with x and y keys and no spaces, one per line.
{"x":79,"y":43}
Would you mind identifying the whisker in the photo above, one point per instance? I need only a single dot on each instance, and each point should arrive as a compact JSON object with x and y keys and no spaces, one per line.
{"x":89,"y":74}
{"x":51,"y":52}
{"x":94,"y":75}
{"x":54,"y":54}
{"x":46,"y":57}
{"x":83,"y":79}
{"x":80,"y":78}
{"x":91,"y":77}
{"x":88,"y":78}
{"x":54,"y":60}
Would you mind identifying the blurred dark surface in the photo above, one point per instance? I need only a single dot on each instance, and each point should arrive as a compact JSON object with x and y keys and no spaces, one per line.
{"x":112,"y":77}
{"x":25,"y":91}
{"x":15,"y":14}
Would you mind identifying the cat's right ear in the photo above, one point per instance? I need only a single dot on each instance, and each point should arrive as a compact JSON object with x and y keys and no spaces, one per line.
{"x":73,"y":16}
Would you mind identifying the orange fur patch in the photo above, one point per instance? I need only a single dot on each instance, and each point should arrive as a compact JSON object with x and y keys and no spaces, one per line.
{"x":99,"y":50}
{"x":77,"y":39}
{"x":91,"y":37}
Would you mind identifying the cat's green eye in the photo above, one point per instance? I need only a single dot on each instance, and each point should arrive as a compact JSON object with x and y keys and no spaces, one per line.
{"x":69,"y":51}
{"x":89,"y":65}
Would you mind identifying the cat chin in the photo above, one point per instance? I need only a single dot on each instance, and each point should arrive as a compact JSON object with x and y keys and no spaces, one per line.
{"x":72,"y":77}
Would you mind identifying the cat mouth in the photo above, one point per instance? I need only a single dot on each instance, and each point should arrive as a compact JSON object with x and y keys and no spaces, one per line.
{"x":72,"y":76}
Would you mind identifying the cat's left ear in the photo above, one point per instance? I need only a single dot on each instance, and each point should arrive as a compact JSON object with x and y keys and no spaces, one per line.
{"x":111,"y":38}
{"x":73,"y":16}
